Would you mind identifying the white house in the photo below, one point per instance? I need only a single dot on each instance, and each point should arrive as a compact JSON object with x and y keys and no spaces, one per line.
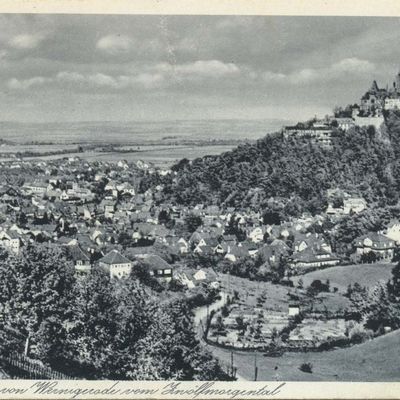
{"x":256,"y":235}
{"x":393,"y":231}
{"x":354,"y":204}
{"x":11,"y":241}
{"x":116,"y":264}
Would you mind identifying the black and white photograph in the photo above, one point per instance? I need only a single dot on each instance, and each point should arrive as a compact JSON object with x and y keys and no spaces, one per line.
{"x":199,"y":198}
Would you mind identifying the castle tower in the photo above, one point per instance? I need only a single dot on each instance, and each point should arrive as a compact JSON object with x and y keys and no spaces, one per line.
{"x":374,"y":87}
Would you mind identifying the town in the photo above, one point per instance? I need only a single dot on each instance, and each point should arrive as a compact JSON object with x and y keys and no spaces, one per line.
{"x":264,"y":283}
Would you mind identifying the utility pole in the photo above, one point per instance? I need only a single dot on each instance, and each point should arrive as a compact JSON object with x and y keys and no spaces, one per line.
{"x":231,"y":363}
{"x":27,"y":344}
{"x":255,"y":366}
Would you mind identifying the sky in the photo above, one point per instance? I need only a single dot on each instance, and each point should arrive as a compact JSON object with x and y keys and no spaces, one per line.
{"x":125,"y":68}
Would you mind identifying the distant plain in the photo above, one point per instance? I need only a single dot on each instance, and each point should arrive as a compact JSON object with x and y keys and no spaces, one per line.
{"x":161,"y":142}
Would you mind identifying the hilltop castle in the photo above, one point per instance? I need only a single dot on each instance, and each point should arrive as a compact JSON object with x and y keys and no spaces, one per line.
{"x":367,"y":112}
{"x":376,"y":99}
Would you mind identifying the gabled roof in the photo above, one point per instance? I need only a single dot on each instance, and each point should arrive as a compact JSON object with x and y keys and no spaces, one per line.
{"x":114,"y":257}
{"x":376,"y":238}
{"x":78,"y":254}
{"x":310,"y":255}
{"x":238,"y":251}
{"x":154,"y":262}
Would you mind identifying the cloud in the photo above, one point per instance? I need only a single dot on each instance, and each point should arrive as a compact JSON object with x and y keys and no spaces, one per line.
{"x":306,"y":75}
{"x":149,"y":77}
{"x":114,"y":44}
{"x":339,"y":70}
{"x":353,"y":65}
{"x":23,"y":84}
{"x":269,"y":76}
{"x":26,"y":41}
{"x":145,"y":80}
{"x":200,"y":68}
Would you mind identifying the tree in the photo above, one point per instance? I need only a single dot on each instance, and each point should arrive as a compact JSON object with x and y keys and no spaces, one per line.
{"x":359,"y":302}
{"x":317,"y":286}
{"x":170,"y":350}
{"x":381,"y":311}
{"x":306,"y":367}
{"x":124,"y":239}
{"x":241,"y":325}
{"x":192,"y":222}
{"x":93,"y":325}
{"x":271,"y":218}
{"x":35,"y":287}
{"x":163,"y":217}
{"x":394,"y":284}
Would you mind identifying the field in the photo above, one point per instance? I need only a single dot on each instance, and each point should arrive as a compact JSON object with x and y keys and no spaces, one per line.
{"x":162,"y":156}
{"x":375,"y":360}
{"x":249,"y":291}
{"x":159,"y":142}
{"x":365,"y":274}
{"x":138,"y":131}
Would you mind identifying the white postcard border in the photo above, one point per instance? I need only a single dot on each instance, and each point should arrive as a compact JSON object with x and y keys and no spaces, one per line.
{"x":78,"y":389}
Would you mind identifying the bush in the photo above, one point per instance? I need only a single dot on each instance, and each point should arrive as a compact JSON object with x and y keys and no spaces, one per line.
{"x":306,"y":367}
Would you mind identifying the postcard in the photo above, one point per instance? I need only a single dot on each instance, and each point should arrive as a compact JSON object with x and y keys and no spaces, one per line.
{"x":199,"y":200}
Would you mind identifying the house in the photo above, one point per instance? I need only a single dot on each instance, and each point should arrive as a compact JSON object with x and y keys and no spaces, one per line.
{"x":81,"y":260}
{"x":207,"y":275}
{"x":109,"y":207}
{"x":182,"y":278}
{"x":11,"y":240}
{"x":234,"y":253}
{"x":294,"y":309}
{"x":345,"y":123}
{"x":183,"y":246}
{"x":382,"y":246}
{"x":313,"y":241}
{"x":393,"y":231}
{"x":116,"y":264}
{"x":313,"y":258}
{"x":274,"y":252}
{"x":317,"y":133}
{"x":157,"y":267}
{"x":36,"y":187}
{"x":354,"y":204}
{"x":257,"y":234}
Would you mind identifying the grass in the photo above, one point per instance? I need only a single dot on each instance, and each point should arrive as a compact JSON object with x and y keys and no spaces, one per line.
{"x":376,"y":360}
{"x":250,"y":291}
{"x":365,"y":274}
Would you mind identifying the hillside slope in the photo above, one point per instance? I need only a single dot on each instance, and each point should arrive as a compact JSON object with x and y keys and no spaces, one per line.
{"x":294,"y":172}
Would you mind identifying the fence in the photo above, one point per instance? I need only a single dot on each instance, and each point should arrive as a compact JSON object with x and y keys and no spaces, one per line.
{"x":23,"y":367}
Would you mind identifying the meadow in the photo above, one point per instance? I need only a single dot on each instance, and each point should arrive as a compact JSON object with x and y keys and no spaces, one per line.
{"x":374,"y":360}
{"x":365,"y":274}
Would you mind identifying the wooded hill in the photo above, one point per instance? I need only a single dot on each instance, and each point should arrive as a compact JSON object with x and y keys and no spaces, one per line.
{"x":292,"y":175}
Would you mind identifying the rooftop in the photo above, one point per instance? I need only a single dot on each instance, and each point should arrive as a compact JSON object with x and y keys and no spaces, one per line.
{"x":114,"y":257}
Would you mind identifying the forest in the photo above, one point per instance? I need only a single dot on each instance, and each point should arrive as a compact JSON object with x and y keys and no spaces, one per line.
{"x":94,"y":327}
{"x":291,"y":175}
